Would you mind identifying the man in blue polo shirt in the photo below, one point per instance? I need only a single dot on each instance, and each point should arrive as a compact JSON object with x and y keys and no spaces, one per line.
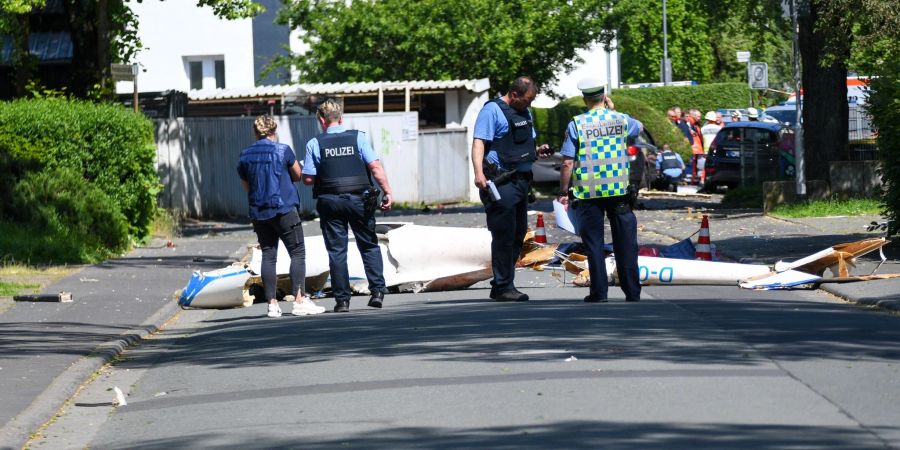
{"x":503,"y":151}
{"x":338,"y":165}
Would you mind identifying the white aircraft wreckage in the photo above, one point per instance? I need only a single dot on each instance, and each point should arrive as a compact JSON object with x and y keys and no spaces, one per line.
{"x":425,"y":258}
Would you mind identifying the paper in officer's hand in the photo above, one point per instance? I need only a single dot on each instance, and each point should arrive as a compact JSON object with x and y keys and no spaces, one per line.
{"x":565,"y":217}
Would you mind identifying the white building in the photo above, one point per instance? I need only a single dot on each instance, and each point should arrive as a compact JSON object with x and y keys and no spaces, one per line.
{"x":187,"y":47}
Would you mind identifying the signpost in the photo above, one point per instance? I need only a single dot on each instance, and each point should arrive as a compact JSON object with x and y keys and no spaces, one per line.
{"x":744,"y":57}
{"x":127,"y":72}
{"x":759,"y":75}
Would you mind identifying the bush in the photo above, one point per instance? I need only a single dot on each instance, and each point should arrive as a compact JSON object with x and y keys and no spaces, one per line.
{"x":63,"y":218}
{"x":884,"y":105}
{"x":705,"y":97}
{"x":551,"y":123}
{"x":107,"y":144}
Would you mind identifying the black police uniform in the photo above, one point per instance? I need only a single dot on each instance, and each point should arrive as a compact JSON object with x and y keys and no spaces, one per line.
{"x":507,"y":218}
{"x":342,"y":178}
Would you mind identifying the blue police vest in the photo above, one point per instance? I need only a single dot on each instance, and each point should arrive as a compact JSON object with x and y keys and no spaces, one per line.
{"x":518,"y":145}
{"x":669,"y":161}
{"x":270,"y":192}
{"x":341,"y":168}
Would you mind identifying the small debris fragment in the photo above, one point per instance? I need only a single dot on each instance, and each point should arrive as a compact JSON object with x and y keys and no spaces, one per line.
{"x":88,"y":280}
{"x":62,"y":297}
{"x":570,"y":359}
{"x":120,"y":397}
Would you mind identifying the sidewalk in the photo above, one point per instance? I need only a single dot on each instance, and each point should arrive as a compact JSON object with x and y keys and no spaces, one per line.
{"x":47,"y":350}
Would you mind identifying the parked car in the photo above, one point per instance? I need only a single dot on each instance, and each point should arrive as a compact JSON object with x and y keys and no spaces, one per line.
{"x":763,"y":117}
{"x":786,"y":114}
{"x":642,"y":172}
{"x":767,"y":150}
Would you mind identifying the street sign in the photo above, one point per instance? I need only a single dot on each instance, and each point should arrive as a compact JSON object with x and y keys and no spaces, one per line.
{"x":743,"y":56}
{"x":123,"y":72}
{"x":759,"y":75}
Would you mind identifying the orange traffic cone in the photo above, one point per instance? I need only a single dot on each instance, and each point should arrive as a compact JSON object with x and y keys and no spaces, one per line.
{"x":704,"y":251}
{"x":540,"y":236}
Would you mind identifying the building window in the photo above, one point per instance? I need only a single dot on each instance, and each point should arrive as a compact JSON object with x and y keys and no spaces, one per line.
{"x":220,"y":73}
{"x":195,"y":71}
{"x":205,"y":72}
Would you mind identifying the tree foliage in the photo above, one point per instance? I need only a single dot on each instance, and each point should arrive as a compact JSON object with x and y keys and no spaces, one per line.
{"x":368,"y":40}
{"x":703,"y":38}
{"x":102,"y":32}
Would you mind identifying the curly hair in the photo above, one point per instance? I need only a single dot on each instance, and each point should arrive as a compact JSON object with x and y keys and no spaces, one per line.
{"x":264,"y":126}
{"x":330,"y":110}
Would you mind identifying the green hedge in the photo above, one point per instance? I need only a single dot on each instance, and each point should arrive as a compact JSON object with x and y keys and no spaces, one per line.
{"x":705,"y":97}
{"x":109,"y":145}
{"x":884,"y":105}
{"x":551,"y":123}
{"x":63,"y":218}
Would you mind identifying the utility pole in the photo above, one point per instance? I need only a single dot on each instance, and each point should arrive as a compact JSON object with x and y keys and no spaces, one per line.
{"x":666,"y":65}
{"x":799,"y":162}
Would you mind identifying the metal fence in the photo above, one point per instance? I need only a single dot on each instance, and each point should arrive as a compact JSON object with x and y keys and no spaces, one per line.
{"x":443,"y":165}
{"x":197,"y":160}
{"x":861,"y":136}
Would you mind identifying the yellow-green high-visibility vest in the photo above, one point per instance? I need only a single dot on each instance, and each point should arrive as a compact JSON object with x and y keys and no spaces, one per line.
{"x":601,"y":162}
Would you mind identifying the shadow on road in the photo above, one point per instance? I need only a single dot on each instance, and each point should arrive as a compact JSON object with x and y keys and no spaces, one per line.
{"x":584,"y":434}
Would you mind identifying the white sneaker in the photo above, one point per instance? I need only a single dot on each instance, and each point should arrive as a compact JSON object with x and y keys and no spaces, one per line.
{"x":274,"y":310}
{"x":306,"y":307}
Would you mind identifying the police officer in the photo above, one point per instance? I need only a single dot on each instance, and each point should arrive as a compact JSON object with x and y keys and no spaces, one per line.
{"x":595,"y":161}
{"x":503,"y":150}
{"x":340,"y":164}
{"x":671,"y":168}
{"x":268,"y":171}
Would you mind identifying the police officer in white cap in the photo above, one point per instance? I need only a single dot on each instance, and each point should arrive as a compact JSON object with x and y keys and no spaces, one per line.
{"x":594,"y":176}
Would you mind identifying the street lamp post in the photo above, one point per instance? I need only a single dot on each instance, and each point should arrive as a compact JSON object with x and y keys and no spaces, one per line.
{"x":799,"y":161}
{"x":666,"y":66}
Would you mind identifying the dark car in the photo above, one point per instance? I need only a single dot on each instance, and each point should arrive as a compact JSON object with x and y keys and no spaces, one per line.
{"x":749,"y":151}
{"x":786,"y":114}
{"x":641,"y":174}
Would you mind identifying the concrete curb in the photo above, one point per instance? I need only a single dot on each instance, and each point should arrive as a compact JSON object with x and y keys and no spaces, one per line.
{"x":885,"y":304}
{"x":17,"y":431}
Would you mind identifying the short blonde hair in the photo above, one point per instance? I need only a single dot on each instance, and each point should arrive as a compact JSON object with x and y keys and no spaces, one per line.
{"x":330,"y":110}
{"x":264,"y":125}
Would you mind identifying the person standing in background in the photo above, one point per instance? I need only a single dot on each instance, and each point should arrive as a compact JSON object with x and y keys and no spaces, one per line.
{"x":268,"y":171}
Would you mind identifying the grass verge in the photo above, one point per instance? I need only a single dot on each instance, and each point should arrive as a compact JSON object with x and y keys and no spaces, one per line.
{"x":12,"y":288}
{"x":827,"y":208}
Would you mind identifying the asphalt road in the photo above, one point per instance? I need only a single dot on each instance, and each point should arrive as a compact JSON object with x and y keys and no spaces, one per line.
{"x":708,"y":367}
{"x":687,"y":367}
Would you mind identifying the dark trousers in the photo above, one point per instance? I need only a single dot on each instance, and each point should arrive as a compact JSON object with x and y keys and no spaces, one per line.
{"x":336,"y":212}
{"x":623,"y":225}
{"x":507,"y":220}
{"x":288,"y":228}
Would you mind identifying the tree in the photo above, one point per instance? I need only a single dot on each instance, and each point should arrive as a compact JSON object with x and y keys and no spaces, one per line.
{"x":703,"y":38}
{"x":382,"y":40}
{"x":824,"y":78}
{"x":14,"y":21}
{"x":102,"y":32}
{"x":875,"y":51}
{"x":640,"y":39}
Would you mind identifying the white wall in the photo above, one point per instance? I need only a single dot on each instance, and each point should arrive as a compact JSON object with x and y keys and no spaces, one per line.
{"x":173,"y":30}
{"x":594,"y":66}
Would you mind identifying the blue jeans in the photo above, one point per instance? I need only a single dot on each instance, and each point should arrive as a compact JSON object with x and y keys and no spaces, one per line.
{"x":288,"y":228}
{"x":336,"y":213}
{"x":623,"y":225}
